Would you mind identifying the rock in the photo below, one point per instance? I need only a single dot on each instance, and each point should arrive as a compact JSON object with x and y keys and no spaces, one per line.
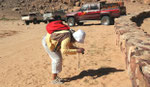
{"x":22,"y":1}
{"x":16,"y":9}
{"x":1,"y":1}
{"x":23,"y":4}
{"x":147,"y":1}
{"x":77,"y":4}
{"x":41,"y":6}
{"x":65,"y":2}
{"x":1,"y":6}
{"x":33,"y":6}
{"x":133,"y":0}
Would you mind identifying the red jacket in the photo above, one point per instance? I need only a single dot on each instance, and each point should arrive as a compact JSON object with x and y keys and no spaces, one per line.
{"x":56,"y":25}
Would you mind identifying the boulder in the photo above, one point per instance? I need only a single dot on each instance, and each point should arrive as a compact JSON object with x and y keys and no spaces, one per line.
{"x":16,"y":9}
{"x":147,"y":2}
{"x":1,"y":1}
{"x":78,"y":3}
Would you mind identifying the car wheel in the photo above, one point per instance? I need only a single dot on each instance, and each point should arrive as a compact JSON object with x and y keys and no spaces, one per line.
{"x":59,"y":18}
{"x":38,"y":22}
{"x":80,"y":23}
{"x":45,"y":22}
{"x":71,"y":21}
{"x":105,"y":20}
{"x":27,"y":22}
{"x":34,"y":21}
{"x":112,"y":21}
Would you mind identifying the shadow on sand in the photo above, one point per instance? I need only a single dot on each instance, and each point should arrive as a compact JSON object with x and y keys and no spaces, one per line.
{"x":91,"y":24}
{"x":94,"y":73}
{"x":88,"y":24}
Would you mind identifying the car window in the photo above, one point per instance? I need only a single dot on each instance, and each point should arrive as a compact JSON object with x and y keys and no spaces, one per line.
{"x":93,"y":7}
{"x":32,"y":14}
{"x":84,"y":8}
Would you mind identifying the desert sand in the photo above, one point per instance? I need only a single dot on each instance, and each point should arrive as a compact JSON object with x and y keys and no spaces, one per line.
{"x":145,"y":25}
{"x":24,"y":62}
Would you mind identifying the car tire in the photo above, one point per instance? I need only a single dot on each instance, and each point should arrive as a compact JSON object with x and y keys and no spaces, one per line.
{"x":27,"y":22}
{"x":71,"y":21}
{"x":106,"y":20}
{"x":46,"y":22}
{"x":38,"y":22}
{"x":59,"y":18}
{"x":34,"y":21}
{"x":112,"y":21}
{"x":80,"y":23}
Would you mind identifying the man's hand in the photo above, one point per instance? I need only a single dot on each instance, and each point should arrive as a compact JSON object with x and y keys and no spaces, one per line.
{"x":80,"y":50}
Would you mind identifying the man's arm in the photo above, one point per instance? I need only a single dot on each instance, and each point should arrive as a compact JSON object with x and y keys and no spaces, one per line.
{"x":68,"y":48}
{"x":65,"y":48}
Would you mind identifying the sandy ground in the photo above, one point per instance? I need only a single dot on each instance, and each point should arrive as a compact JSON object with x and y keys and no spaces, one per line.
{"x":145,"y":25}
{"x":24,"y":62}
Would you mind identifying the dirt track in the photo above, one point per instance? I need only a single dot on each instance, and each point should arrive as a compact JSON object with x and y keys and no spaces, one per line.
{"x":24,"y":63}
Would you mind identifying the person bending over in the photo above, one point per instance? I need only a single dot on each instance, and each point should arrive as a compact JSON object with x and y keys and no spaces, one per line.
{"x":60,"y":40}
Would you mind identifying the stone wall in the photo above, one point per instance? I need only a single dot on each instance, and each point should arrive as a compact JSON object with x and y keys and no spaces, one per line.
{"x":135,"y":45}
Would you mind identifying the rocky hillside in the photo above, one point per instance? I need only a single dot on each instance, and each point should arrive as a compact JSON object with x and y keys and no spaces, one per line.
{"x":17,"y":7}
{"x":38,"y":5}
{"x":24,"y":6}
